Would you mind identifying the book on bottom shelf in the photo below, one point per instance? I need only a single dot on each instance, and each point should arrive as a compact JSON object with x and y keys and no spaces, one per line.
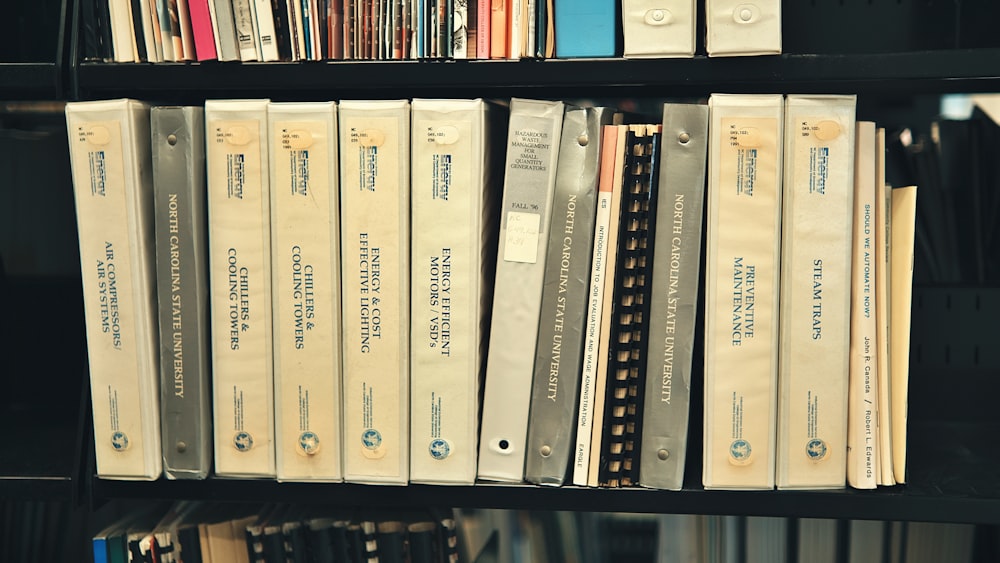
{"x":903,"y":209}
{"x":741,"y":292}
{"x":816,"y":235}
{"x":556,"y":383}
{"x":239,"y":249}
{"x":590,"y":419}
{"x":674,"y":293}
{"x":111,"y":163}
{"x":178,"y":144}
{"x":455,"y":165}
{"x":305,"y":254}
{"x":862,"y":395}
{"x":525,"y":214}
{"x":375,"y":250}
{"x":605,"y":247}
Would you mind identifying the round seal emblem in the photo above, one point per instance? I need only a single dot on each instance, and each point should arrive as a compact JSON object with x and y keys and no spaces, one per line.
{"x":816,"y":449}
{"x":371,"y":439}
{"x":119,"y":441}
{"x":243,"y":441}
{"x":739,"y":452}
{"x":309,"y":442}
{"x":439,"y":449}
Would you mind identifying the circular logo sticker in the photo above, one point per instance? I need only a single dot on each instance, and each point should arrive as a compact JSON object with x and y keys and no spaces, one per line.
{"x":439,"y":449}
{"x":309,"y":442}
{"x":119,"y":441}
{"x":739,"y":452}
{"x":371,"y":439}
{"x":816,"y":449}
{"x":243,"y":441}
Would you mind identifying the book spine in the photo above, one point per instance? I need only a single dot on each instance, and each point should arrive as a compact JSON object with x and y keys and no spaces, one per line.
{"x":627,"y":326}
{"x":862,"y":417}
{"x":903,"y":209}
{"x":648,"y":170}
{"x":454,"y":237}
{"x":482,"y":23}
{"x":240,"y":286}
{"x":110,"y":161}
{"x":734,"y":28}
{"x":595,"y":304}
{"x":265,"y":30}
{"x":498,"y":28}
{"x":604,"y":346}
{"x":673,"y":298}
{"x":883,"y":229}
{"x":121,"y":31}
{"x":282,"y":30}
{"x":460,"y":36}
{"x":559,"y":354}
{"x":229,"y":45}
{"x":529,"y":181}
{"x":178,"y":140}
{"x":375,"y":253}
{"x":143,"y":26}
{"x":201,"y":26}
{"x":598,"y":17}
{"x":818,"y":203}
{"x":187,"y":34}
{"x":305,"y":252}
{"x":166,"y":30}
{"x":741,"y":295}
{"x":659,"y":29}
{"x":246,"y":36}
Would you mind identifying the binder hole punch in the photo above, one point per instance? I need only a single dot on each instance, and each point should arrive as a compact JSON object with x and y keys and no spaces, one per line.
{"x":658,"y":17}
{"x":504,"y":444}
{"x":684,"y":138}
{"x":172,"y":140}
{"x":746,"y":13}
{"x":663,"y":455}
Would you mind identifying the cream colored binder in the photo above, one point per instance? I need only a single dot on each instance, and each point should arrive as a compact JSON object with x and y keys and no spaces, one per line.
{"x":659,"y":28}
{"x":741,"y":293}
{"x":112,"y":165}
{"x":239,"y":248}
{"x":305,"y":253}
{"x":743,"y":27}
{"x":375,"y":242}
{"x":455,"y":177}
{"x":817,"y":205}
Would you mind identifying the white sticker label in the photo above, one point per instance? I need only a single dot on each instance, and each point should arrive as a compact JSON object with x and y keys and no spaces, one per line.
{"x":521,"y":243}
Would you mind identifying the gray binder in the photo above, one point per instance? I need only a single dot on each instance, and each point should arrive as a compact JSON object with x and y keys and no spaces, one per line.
{"x":559,"y":352}
{"x":674,"y":295}
{"x":178,"y":142}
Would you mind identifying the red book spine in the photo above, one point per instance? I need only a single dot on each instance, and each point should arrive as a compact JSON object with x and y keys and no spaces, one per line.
{"x":483,"y":23}
{"x":201,"y":25}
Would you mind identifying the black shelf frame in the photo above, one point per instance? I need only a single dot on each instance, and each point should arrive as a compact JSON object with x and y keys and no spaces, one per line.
{"x":898,"y":503}
{"x":905,"y":73}
{"x":40,"y":80}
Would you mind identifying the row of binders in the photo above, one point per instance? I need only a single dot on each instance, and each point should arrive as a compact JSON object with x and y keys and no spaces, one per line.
{"x":369,"y":276}
{"x":309,"y":30}
{"x":198,"y":532}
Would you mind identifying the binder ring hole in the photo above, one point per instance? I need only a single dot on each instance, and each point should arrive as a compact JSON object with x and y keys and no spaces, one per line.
{"x":583,"y":140}
{"x":684,"y":138}
{"x":504,"y":444}
{"x":181,"y":446}
{"x":546,"y":451}
{"x":663,"y":455}
{"x":172,"y":140}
